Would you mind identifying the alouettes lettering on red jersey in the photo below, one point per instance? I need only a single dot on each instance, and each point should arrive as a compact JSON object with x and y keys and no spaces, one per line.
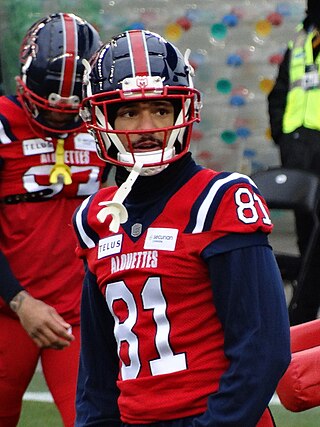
{"x":36,"y":237}
{"x":158,"y":289}
{"x":28,"y":159}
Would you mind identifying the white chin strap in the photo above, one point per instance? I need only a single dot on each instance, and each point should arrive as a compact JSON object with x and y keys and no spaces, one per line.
{"x":115,"y":207}
{"x":148,"y":158}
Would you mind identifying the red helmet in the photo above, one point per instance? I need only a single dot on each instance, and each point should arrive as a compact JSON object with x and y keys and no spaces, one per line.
{"x":51,"y":74}
{"x":137,"y":66}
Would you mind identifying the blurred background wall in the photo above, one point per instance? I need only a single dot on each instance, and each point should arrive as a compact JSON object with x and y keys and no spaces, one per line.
{"x":236,"y":48}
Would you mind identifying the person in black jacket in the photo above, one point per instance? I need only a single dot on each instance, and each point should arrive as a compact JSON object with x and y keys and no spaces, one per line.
{"x":294,"y":111}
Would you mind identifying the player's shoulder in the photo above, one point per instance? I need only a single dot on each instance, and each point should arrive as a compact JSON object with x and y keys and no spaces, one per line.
{"x":215,"y":188}
{"x":231,"y":188}
{"x":221,"y":182}
{"x":10,"y":103}
{"x":12,"y":115}
{"x":85,"y":218}
{"x":231,"y":202}
{"x":102,"y":195}
{"x":87,"y":210}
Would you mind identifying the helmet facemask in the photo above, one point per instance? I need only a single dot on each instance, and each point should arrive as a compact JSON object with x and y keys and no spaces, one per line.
{"x":117,"y":146}
{"x":37,"y":108}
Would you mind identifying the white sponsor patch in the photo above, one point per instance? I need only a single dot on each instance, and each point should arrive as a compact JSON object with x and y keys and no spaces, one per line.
{"x":84,"y":141}
{"x":110,"y":246}
{"x":163,"y":239}
{"x":36,"y":146}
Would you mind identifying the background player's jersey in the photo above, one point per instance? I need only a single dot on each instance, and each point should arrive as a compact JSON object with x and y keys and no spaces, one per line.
{"x":156,"y":284}
{"x":36,"y":237}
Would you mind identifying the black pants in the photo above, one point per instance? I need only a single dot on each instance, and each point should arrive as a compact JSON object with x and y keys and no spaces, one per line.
{"x":301,"y":150}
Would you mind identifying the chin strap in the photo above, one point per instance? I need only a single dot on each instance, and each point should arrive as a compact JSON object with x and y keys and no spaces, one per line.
{"x":115,"y":207}
{"x":60,"y":172}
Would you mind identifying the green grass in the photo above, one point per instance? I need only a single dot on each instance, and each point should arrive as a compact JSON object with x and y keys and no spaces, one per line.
{"x":40,"y":414}
{"x":284,"y":418}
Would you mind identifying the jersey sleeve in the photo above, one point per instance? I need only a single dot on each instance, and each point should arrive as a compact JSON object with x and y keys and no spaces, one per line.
{"x":85,"y":223}
{"x":241,"y":209}
{"x":9,"y":285}
{"x":81,"y":228}
{"x":231,"y":214}
{"x":250,"y":303}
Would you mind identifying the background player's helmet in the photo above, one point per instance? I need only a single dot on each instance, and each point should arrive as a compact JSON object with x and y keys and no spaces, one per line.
{"x":136,"y":66}
{"x":51,"y":72}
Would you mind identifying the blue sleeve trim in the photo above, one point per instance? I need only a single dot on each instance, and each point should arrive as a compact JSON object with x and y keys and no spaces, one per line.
{"x":234,"y":241}
{"x":87,"y":237}
{"x":200,"y":199}
{"x":7,"y":128}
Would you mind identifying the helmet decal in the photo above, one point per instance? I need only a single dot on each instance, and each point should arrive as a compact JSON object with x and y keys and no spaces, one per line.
{"x":69,"y":63}
{"x":138,"y":54}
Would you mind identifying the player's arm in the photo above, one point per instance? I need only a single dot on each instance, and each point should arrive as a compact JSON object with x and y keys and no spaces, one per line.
{"x":9,"y":285}
{"x":250,"y":302}
{"x":41,"y":321}
{"x":277,"y":98}
{"x":97,"y":393}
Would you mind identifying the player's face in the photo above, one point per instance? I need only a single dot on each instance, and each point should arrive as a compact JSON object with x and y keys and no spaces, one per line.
{"x":57,"y":120}
{"x":145,"y":115}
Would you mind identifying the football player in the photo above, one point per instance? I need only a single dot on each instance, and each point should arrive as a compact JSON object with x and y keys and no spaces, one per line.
{"x":184,"y":320}
{"x":48,"y":166}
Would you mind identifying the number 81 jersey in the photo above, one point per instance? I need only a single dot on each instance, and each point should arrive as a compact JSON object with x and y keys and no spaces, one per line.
{"x":155,"y":280}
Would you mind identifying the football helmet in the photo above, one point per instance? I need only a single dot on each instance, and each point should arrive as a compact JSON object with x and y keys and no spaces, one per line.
{"x":135,"y":66}
{"x":51,"y":71}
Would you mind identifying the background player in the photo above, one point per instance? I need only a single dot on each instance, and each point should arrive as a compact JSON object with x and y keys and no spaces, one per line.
{"x":181,"y":285}
{"x":48,"y":166}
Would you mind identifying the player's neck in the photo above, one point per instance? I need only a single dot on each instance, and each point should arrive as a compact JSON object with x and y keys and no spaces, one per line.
{"x":152,"y":187}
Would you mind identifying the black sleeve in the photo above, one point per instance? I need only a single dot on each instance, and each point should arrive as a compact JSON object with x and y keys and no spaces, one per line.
{"x":250,"y":302}
{"x":9,"y":285}
{"x":97,"y":392}
{"x":278,"y":97}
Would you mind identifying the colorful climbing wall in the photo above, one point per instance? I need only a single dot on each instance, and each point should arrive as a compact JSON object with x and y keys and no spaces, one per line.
{"x":236,"y":46}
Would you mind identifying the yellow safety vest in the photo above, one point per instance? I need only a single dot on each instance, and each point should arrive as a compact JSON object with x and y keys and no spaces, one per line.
{"x":303,"y":104}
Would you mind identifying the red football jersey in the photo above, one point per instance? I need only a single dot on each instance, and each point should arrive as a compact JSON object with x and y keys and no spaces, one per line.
{"x":158,"y":289}
{"x":36,"y":237}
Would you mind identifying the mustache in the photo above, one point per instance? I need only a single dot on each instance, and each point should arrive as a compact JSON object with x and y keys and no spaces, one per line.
{"x":148,"y":138}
